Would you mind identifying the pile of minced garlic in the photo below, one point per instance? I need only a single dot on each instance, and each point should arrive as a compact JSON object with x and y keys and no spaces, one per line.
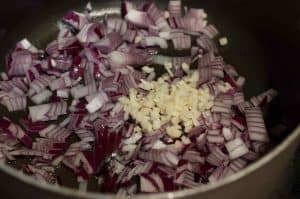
{"x":176,"y":105}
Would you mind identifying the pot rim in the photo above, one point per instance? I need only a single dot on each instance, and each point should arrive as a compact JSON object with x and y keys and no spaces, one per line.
{"x":293,"y":137}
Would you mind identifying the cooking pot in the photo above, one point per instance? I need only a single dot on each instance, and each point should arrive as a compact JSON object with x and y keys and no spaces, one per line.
{"x":264,"y":46}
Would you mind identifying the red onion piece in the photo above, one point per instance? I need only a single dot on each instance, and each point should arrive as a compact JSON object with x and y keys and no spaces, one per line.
{"x":26,"y":45}
{"x":85,"y":135}
{"x":47,"y":112}
{"x":32,"y":127}
{"x":75,"y":19}
{"x":186,"y":178}
{"x":60,"y":83}
{"x":217,"y":174}
{"x":211,"y":31}
{"x":4,"y":76}
{"x":193,"y":156}
{"x":63,"y":93}
{"x":148,"y":184}
{"x":59,"y":64}
{"x":125,"y":7}
{"x":109,"y":43}
{"x":154,"y":41}
{"x":256,"y":125}
{"x":41,"y":97}
{"x":238,"y":98}
{"x":221,"y":107}
{"x":236,"y":148}
{"x":117,"y":58}
{"x":129,"y":35}
{"x":138,"y":18}
{"x":29,"y":152}
{"x":182,"y":42}
{"x":48,"y":146}
{"x":174,"y":8}
{"x":217,"y":157}
{"x":97,"y":102}
{"x":264,"y":98}
{"x":7,"y":86}
{"x":89,"y":33}
{"x":14,"y":103}
{"x":33,"y":73}
{"x":162,"y":156}
{"x":55,"y":132}
{"x":18,"y":62}
{"x":207,"y":44}
{"x":115,"y":25}
{"x":196,"y":13}
{"x":156,"y":16}
{"x":40,"y":84}
{"x":238,"y":164}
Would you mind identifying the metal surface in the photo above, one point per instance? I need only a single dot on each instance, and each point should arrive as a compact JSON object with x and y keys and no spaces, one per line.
{"x":263,"y":45}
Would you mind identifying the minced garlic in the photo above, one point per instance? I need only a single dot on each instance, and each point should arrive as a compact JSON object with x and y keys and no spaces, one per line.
{"x":223,"y":41}
{"x":185,"y":67}
{"x":178,"y":105}
{"x":148,"y":69}
{"x":168,"y":67}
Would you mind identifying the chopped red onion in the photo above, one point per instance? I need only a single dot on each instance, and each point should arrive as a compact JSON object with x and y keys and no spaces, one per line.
{"x":129,"y":35}
{"x":40,"y":84}
{"x":193,"y":156}
{"x":217,"y":157}
{"x":154,"y":41}
{"x":148,"y":184}
{"x":174,"y":8}
{"x":91,"y":64}
{"x":19,"y":62}
{"x":63,"y":93}
{"x":182,"y":42}
{"x":16,"y":131}
{"x":263,"y":98}
{"x":237,"y":164}
{"x":60,"y":83}
{"x":85,"y":135}
{"x":26,"y":45}
{"x":196,"y":13}
{"x":89,"y":33}
{"x":162,"y":156}
{"x":7,"y":86}
{"x":117,"y":58}
{"x":55,"y":132}
{"x":29,"y":152}
{"x":256,"y":125}
{"x":14,"y":103}
{"x":4,"y":76}
{"x":236,"y":148}
{"x":109,"y":43}
{"x":138,"y":18}
{"x":126,"y":6}
{"x":41,"y":97}
{"x":207,"y":44}
{"x":47,"y":112}
{"x":97,"y":102}
{"x":75,"y":19}
{"x":210,"y":31}
{"x":156,"y":16}
{"x":48,"y":146}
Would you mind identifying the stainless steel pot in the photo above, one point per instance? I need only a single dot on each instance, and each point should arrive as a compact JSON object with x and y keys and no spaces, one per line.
{"x":264,"y":45}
